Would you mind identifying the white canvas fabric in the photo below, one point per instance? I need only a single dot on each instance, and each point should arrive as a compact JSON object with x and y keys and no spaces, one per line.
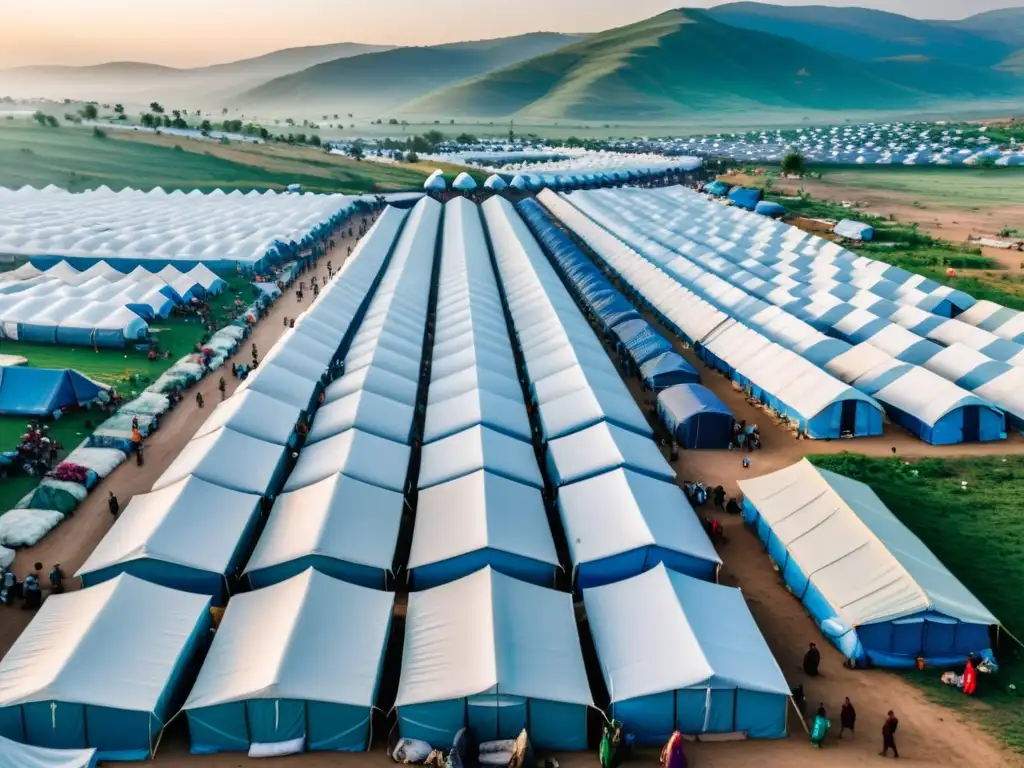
{"x":478,"y":448}
{"x":926,"y":395}
{"x":166,"y":524}
{"x":339,"y":517}
{"x":18,"y":755}
{"x":228,"y":459}
{"x":112,"y":645}
{"x":256,"y":415}
{"x":365,"y":457}
{"x":620,"y":511}
{"x":604,"y":447}
{"x":488,"y":633}
{"x":280,"y":383}
{"x":366,"y":411}
{"x":864,"y":561}
{"x":479,"y":511}
{"x":271,"y":644}
{"x":662,"y":631}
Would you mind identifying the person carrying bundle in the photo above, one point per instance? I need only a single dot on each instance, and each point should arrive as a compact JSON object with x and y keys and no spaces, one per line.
{"x":820,"y":727}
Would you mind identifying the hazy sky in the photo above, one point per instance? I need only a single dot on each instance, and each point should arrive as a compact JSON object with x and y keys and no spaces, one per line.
{"x":198,"y":32}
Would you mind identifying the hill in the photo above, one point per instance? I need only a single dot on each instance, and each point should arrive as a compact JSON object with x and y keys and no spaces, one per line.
{"x":671,"y":66}
{"x":866,"y":34}
{"x":125,"y":81}
{"x":380,"y":81}
{"x":1005,"y":25}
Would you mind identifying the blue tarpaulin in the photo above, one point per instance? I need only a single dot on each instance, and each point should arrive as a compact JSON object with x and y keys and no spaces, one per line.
{"x":745,"y":197}
{"x":769,"y":209}
{"x":41,"y":391}
{"x":854,"y":230}
{"x":696,"y":416}
{"x":640,"y":341}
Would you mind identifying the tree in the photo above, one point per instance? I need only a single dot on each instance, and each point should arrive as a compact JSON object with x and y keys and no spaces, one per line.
{"x":206,"y":126}
{"x":180,"y":123}
{"x":40,"y":118}
{"x":156,"y":107}
{"x":224,"y":111}
{"x":466,"y":138}
{"x":356,"y":150}
{"x":314,"y":140}
{"x":119,"y":109}
{"x":51,"y":122}
{"x":98,"y":132}
{"x":794,"y":163}
{"x":393,"y":121}
{"x":412,"y":157}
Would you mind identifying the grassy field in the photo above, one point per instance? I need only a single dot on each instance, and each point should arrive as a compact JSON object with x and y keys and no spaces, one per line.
{"x":962,"y":188}
{"x":979,"y":535}
{"x":74,"y":158}
{"x":129,"y":370}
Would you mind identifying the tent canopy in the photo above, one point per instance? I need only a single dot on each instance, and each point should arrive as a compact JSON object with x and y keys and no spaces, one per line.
{"x":41,"y":391}
{"x":254,"y":414}
{"x":491,"y":633}
{"x":365,"y":457}
{"x":24,"y":756}
{"x":602,"y":448}
{"x":864,"y":561}
{"x":478,"y":448}
{"x":267,"y":638}
{"x":228,"y":459}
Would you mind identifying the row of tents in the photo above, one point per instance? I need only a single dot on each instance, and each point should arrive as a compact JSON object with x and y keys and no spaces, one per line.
{"x":143,"y":618}
{"x":753,"y":316}
{"x":98,"y":307}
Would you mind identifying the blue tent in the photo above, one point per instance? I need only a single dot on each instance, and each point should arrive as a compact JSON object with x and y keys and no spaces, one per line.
{"x":745,"y":197}
{"x":526,"y":671}
{"x":695,"y":415}
{"x":41,"y":391}
{"x":667,"y":370}
{"x":770,"y":209}
{"x":875,"y":590}
{"x":103,"y":667}
{"x":640,"y":341}
{"x":679,"y":653}
{"x":268,"y":680}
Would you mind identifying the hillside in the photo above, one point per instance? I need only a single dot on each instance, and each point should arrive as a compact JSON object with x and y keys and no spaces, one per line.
{"x":671,"y":66}
{"x":125,"y":81}
{"x":866,"y":34}
{"x":1005,"y":25}
{"x":380,"y":81}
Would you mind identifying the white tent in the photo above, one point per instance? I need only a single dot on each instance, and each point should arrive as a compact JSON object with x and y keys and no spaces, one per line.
{"x":267,"y":679}
{"x":282,"y":384}
{"x":464,"y":182}
{"x":357,"y":454}
{"x":663,"y":632}
{"x":12,"y":753}
{"x":366,"y":411}
{"x":256,"y":415}
{"x":489,"y":640}
{"x":346,"y":528}
{"x":478,"y":448}
{"x":228,"y":459}
{"x":602,"y":448}
{"x":184,"y":536}
{"x":112,"y":654}
{"x":476,"y":514}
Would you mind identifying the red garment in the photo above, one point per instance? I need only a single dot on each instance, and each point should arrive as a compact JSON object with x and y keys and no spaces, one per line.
{"x":970,"y":679}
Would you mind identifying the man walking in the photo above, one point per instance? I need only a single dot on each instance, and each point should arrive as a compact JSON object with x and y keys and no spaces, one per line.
{"x":889,"y":736}
{"x":847,"y":718}
{"x":113,"y":505}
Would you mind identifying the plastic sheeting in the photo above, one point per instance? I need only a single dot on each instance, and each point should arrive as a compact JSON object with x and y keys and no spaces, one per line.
{"x":668,"y":370}
{"x":854,"y":230}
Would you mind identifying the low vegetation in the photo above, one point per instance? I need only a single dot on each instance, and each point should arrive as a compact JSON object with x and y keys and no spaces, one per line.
{"x":977,"y":531}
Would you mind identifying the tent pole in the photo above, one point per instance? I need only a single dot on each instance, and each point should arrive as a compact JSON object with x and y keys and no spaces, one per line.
{"x":800,"y":716}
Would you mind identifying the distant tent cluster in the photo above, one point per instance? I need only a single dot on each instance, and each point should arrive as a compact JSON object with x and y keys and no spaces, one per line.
{"x":97,"y":307}
{"x":156,"y":228}
{"x":771,"y":293}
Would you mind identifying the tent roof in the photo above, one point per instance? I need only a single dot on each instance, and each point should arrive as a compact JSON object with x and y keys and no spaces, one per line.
{"x":364,"y":410}
{"x":256,"y":415}
{"x":267,"y":638}
{"x":368,"y":458}
{"x":685,"y":400}
{"x":162,"y":525}
{"x":480,"y":511}
{"x":338,"y":517}
{"x":26,"y":756}
{"x":228,"y":459}
{"x":115,"y":645}
{"x":280,"y":383}
{"x":601,"y":448}
{"x":488,"y":632}
{"x":662,"y":631}
{"x":477,"y":406}
{"x":478,"y":448}
{"x":865,"y":562}
{"x":620,"y":511}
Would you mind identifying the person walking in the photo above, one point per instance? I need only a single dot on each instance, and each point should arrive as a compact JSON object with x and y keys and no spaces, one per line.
{"x":199,"y":399}
{"x":113,"y":504}
{"x":139,"y":458}
{"x":889,"y":736}
{"x":847,"y":718}
{"x":812,"y":659}
{"x":56,"y":580}
{"x":222,"y":386}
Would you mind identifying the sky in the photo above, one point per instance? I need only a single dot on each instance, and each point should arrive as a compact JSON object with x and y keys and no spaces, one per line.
{"x":189,"y":33}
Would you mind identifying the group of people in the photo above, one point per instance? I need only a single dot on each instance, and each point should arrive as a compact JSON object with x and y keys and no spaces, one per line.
{"x":745,"y":436}
{"x":821,"y":724}
{"x":30,"y":591}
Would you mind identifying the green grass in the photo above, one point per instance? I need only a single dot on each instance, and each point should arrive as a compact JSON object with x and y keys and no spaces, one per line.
{"x":129,"y":370}
{"x":961,"y":188}
{"x":979,"y":535}
{"x":72,"y":158}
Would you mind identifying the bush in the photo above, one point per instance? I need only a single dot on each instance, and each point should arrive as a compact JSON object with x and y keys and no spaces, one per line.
{"x":412,"y":157}
{"x":98,"y":132}
{"x":794,"y":163}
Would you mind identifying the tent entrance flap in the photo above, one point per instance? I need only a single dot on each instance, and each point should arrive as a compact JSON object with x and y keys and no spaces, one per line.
{"x":848,"y":418}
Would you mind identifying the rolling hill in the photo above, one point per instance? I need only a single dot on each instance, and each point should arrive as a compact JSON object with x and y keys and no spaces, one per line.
{"x":125,"y":81}
{"x":867,"y":34}
{"x":1005,"y":25}
{"x":379,"y":81}
{"x":671,"y":66}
